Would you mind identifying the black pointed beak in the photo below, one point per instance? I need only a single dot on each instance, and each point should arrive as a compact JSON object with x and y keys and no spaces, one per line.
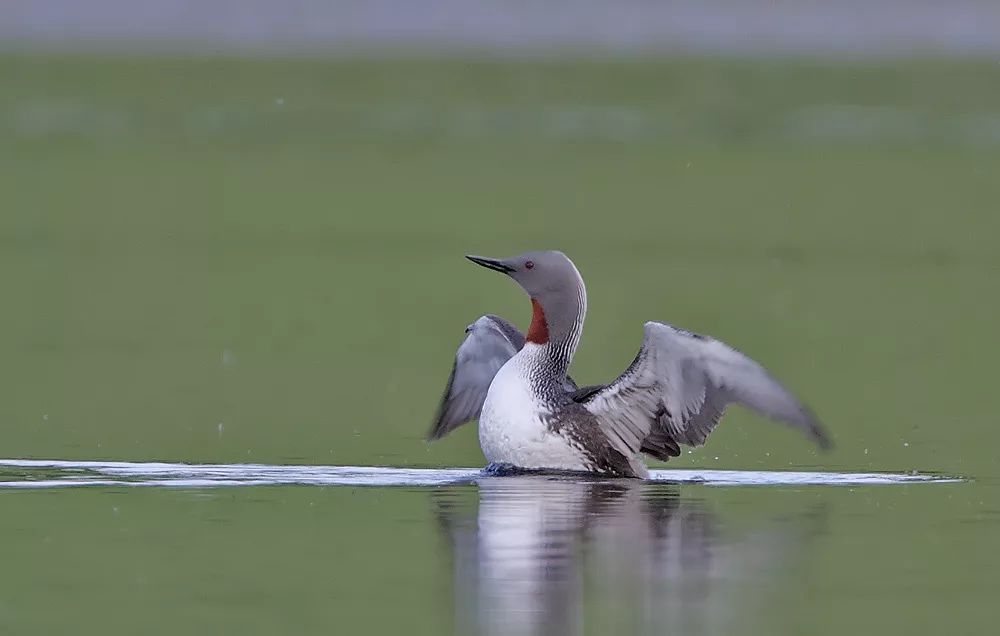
{"x":491,"y":263}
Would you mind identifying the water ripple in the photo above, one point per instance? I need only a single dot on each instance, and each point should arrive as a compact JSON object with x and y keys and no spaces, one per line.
{"x":42,"y":473}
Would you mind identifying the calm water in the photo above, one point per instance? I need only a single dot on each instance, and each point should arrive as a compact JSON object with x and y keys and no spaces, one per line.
{"x":431,"y":551}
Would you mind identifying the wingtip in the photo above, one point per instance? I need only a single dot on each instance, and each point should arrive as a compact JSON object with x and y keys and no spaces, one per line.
{"x":821,"y":436}
{"x":436,"y":431}
{"x":825,"y":443}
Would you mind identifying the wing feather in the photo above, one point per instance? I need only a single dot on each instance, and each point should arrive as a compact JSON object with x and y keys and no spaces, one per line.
{"x":677,"y":390}
{"x":490,"y":343}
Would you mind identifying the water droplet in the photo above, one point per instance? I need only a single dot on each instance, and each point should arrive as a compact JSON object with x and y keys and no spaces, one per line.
{"x":866,"y":451}
{"x":45,"y":417}
{"x":906,"y":443}
{"x":280,"y":101}
{"x":220,"y":429}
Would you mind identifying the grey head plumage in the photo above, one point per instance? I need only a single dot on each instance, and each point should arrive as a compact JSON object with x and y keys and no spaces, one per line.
{"x":555,"y":287}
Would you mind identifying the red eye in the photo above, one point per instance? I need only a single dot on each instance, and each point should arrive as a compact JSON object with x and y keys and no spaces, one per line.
{"x":529,"y":265}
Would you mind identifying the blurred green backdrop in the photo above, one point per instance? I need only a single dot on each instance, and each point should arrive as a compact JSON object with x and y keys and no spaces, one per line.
{"x":261,"y":261}
{"x":223,"y":261}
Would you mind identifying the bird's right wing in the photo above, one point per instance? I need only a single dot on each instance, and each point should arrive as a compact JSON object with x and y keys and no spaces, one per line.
{"x":677,"y":389}
{"x":490,"y":343}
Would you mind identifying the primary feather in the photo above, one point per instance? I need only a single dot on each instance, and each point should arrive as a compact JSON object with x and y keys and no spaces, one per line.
{"x":677,"y":389}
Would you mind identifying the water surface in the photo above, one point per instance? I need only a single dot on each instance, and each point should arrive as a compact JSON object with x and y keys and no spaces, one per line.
{"x":512,"y":555}
{"x":42,"y":473}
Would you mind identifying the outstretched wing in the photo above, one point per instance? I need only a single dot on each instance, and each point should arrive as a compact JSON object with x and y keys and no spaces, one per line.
{"x":490,"y":343}
{"x":677,"y":389}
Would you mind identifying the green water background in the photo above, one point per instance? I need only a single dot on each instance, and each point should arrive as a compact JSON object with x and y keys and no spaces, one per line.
{"x":261,"y":261}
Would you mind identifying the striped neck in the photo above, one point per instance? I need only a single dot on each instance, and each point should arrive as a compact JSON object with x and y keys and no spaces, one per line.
{"x":556,"y":327}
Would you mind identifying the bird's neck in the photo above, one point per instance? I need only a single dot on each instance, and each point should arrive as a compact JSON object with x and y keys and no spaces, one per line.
{"x":556,"y":327}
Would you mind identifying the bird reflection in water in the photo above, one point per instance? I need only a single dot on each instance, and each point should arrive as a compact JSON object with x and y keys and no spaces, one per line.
{"x":544,"y":555}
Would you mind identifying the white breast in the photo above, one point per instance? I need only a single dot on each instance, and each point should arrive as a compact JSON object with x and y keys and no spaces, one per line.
{"x":511,"y":427}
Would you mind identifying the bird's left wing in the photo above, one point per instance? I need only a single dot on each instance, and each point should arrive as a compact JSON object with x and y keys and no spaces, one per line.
{"x":677,"y":389}
{"x":490,"y":343}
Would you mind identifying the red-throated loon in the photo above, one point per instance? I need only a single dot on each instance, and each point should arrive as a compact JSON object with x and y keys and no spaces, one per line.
{"x":532,"y":416}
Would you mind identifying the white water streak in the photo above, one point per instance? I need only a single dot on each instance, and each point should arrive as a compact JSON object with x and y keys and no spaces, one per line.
{"x":99,"y":473}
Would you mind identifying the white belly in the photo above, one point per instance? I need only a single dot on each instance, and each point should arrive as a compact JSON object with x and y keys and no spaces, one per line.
{"x":511,"y":429}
